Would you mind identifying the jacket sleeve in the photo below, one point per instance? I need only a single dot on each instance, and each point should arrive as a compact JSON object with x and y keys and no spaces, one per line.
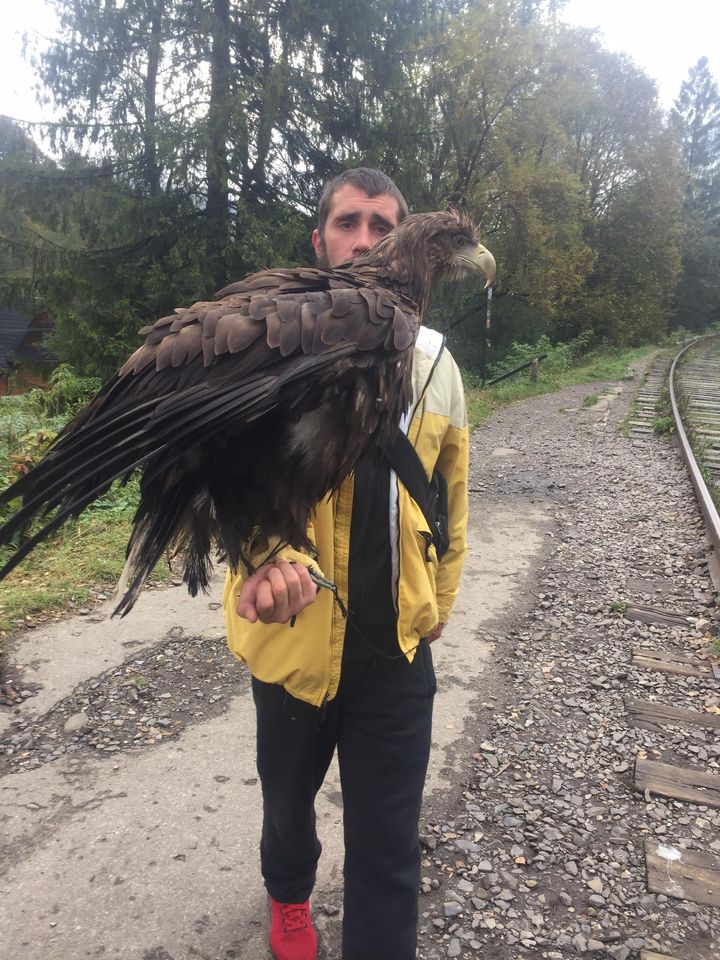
{"x":453,"y":462}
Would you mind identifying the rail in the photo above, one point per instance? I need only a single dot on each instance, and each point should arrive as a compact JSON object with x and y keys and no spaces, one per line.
{"x":709,"y":510}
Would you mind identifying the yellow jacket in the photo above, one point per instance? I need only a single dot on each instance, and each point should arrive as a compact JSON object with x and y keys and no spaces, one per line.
{"x":306,"y":657}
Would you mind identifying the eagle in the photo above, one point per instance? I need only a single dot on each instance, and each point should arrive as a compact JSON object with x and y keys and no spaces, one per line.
{"x":244,"y":412}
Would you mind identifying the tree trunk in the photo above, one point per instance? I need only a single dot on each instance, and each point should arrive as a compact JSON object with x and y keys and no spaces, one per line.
{"x":150,"y":99}
{"x":217,"y":210}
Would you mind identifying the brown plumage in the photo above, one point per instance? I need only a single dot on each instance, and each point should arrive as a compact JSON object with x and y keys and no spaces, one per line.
{"x":244,"y":412}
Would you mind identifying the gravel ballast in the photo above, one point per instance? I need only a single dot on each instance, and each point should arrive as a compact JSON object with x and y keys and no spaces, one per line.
{"x":543,"y":853}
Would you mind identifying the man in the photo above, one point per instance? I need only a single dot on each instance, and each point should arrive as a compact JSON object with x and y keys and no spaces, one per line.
{"x":364,"y":682}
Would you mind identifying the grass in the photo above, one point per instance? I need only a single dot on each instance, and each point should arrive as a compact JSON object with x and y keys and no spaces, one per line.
{"x":597,"y":367}
{"x":86,"y":556}
{"x":64,"y":573}
{"x":664,"y":425}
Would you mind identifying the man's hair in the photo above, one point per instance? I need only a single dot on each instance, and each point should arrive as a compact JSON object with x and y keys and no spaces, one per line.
{"x":372,"y":182}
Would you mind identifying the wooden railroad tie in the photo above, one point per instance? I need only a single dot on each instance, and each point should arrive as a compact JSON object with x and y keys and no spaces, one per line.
{"x":668,"y":661}
{"x":683,"y":874}
{"x":678,"y":783}
{"x":655,"y":615}
{"x":651,"y":715}
{"x":651,"y":955}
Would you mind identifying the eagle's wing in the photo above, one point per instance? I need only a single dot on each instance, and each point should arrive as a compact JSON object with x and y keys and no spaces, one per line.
{"x":242,"y":413}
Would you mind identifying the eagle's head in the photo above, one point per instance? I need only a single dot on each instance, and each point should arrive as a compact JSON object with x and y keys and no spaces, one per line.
{"x":427,"y":247}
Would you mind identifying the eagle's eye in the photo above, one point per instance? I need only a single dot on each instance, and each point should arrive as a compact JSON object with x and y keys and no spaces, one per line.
{"x":459,"y":240}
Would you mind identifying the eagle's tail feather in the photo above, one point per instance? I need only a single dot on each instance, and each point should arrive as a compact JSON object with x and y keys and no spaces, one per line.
{"x":73,"y":508}
{"x":88,"y":442}
{"x":163,"y":504}
{"x":69,"y":494}
{"x":198,"y":533}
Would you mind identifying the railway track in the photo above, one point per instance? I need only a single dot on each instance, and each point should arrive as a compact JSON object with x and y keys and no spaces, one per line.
{"x":642,"y":422}
{"x":694,"y":386}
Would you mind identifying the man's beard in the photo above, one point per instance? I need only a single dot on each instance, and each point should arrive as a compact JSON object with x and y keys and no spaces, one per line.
{"x":322,"y":257}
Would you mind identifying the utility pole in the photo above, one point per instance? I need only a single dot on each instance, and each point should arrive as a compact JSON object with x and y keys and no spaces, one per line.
{"x":485,"y":344}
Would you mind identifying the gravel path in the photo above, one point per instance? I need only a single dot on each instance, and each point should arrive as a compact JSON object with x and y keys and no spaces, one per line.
{"x":144,"y":701}
{"x":542,"y":854}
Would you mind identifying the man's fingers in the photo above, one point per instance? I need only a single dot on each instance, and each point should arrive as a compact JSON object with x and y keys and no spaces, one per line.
{"x":293,"y":586}
{"x":276,"y":592}
{"x":308,"y":586}
{"x":302,"y":589}
{"x":436,"y":633}
{"x":272,"y":601}
{"x":247,"y":597}
{"x":247,"y":611}
{"x":267,"y":603}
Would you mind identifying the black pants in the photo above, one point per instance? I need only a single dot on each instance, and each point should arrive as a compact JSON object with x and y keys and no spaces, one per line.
{"x":381,"y":723}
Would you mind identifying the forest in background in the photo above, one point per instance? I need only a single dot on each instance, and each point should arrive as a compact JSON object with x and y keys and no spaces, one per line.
{"x":195,"y":136}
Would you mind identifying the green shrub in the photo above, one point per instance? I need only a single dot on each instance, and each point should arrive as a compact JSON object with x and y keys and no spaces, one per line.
{"x":65,"y":394}
{"x":560,"y":356}
{"x":664,"y":425}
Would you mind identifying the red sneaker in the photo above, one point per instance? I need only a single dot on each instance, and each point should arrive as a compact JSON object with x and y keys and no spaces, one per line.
{"x":292,"y":935}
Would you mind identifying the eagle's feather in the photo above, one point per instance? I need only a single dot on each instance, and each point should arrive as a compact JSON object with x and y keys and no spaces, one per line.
{"x":245,"y":411}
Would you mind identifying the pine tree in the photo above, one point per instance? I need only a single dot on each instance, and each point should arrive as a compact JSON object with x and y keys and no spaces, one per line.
{"x":696,"y":121}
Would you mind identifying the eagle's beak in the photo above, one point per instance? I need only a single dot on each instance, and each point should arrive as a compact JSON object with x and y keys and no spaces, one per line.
{"x":482,"y":260}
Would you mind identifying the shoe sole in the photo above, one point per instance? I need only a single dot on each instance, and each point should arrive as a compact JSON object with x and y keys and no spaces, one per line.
{"x":274,"y":957}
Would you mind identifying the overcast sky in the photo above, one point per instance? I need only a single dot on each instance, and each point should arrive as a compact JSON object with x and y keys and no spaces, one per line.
{"x":664,"y":39}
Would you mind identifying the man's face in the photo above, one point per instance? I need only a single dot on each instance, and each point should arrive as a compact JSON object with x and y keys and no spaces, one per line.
{"x":355,"y":223}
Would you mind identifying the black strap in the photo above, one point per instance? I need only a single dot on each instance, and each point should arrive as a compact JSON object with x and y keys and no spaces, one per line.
{"x":403,"y":458}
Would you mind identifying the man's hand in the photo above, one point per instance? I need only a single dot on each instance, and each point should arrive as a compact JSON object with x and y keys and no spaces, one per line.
{"x":276,"y":592}
{"x":436,"y":633}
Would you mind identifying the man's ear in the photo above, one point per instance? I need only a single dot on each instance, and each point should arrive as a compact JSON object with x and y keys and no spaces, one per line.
{"x":317,"y":243}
